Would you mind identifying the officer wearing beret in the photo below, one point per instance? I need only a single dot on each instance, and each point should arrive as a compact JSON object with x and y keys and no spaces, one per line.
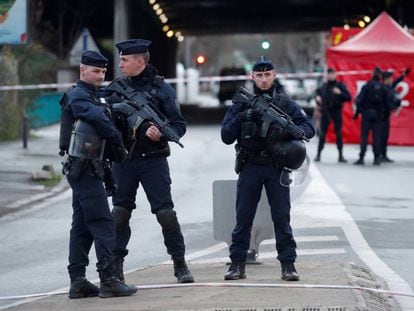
{"x":262,"y":168}
{"x":393,"y":103}
{"x":87,"y":119}
{"x":147,"y":165}
{"x":330,"y":98}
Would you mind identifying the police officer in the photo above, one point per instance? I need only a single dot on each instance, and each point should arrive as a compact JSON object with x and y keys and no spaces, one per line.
{"x":148,"y":164}
{"x":330,"y":98}
{"x":372,"y":103}
{"x":91,"y":220}
{"x":262,"y":168}
{"x":393,"y":103}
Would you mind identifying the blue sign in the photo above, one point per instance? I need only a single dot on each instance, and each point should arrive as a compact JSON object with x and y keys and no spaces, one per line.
{"x":13,"y":21}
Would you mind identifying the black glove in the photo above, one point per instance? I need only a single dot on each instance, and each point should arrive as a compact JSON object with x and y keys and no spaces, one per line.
{"x":120,"y":154}
{"x":406,"y":71}
{"x":110,"y":188}
{"x":277,"y":133}
{"x":247,"y":115}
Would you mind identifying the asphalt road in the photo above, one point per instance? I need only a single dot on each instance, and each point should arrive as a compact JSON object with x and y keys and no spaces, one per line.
{"x":380,"y":200}
{"x":34,"y":243}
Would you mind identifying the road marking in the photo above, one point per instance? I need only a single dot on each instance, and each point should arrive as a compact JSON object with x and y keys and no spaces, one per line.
{"x":220,"y":246}
{"x":310,"y":238}
{"x":273,"y":255}
{"x":207,"y":251}
{"x":334,"y":213}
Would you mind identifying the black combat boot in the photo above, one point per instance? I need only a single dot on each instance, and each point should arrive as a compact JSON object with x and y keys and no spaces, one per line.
{"x":82,"y":288}
{"x":341,"y":158}
{"x":236,"y":271}
{"x":289,"y":272}
{"x":111,"y":286}
{"x":181,"y":271}
{"x":386,"y":159}
{"x":119,"y":268}
{"x":360,"y":161}
{"x":377,"y":161}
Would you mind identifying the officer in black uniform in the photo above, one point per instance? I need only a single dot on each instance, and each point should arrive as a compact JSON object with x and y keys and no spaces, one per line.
{"x":261,"y":167}
{"x":92,"y":221}
{"x":372,"y":103}
{"x":148,"y":164}
{"x":393,"y":103}
{"x":330,"y":98}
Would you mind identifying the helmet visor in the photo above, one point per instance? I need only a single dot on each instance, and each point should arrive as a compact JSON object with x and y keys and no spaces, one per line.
{"x":295,"y":178}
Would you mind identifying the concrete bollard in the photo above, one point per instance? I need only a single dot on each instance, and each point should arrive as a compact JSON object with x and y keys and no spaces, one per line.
{"x":224,"y":215}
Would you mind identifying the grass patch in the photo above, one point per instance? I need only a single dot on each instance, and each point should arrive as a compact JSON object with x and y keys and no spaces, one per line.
{"x":50,"y":183}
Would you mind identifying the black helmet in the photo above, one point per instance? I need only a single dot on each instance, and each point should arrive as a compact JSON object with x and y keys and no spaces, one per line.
{"x":289,"y":154}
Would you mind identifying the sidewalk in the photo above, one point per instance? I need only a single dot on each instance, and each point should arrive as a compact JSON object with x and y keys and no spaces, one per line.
{"x":212,"y":293}
{"x":17,"y":190}
{"x":324,"y":285}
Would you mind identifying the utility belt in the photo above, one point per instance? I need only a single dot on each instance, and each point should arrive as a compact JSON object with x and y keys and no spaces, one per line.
{"x":149,"y":154}
{"x":259,"y":157}
{"x":74,"y":167}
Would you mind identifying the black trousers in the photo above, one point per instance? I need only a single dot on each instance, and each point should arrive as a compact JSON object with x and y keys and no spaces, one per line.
{"x":154,"y":176}
{"x":371,"y":121}
{"x":91,"y":222}
{"x":249,"y":189}
{"x":334,"y":115}
{"x":385,"y":133}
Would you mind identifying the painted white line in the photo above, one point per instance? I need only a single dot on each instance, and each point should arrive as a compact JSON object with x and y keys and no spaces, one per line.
{"x":202,"y":253}
{"x":273,"y":255}
{"x":310,"y":238}
{"x":220,"y":246}
{"x":207,"y":251}
{"x":306,"y":252}
{"x":333,"y":213}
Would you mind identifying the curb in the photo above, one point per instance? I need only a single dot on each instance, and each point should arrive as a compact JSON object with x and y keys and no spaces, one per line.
{"x":15,"y":206}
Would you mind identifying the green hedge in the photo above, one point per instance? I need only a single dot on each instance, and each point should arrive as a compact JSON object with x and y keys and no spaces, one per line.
{"x":28,"y":64}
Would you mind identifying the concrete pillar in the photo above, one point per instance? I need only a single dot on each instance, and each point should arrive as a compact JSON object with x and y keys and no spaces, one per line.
{"x":193,"y":85}
{"x":180,"y":85}
{"x":121,"y":31}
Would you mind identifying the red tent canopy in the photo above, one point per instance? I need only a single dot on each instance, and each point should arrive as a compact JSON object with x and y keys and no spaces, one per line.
{"x":387,"y":45}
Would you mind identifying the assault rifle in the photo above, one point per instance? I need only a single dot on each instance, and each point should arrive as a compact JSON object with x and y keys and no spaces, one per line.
{"x":268,"y":113}
{"x":144,"y":109}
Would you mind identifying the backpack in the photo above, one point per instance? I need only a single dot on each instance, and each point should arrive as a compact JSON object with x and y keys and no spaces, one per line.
{"x":376,"y":94}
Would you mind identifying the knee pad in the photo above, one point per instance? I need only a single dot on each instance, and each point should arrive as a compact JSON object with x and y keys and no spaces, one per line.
{"x":121,"y":217}
{"x":168,"y":219}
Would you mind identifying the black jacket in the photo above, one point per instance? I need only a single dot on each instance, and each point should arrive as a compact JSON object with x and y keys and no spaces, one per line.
{"x":163,"y":97}
{"x":232,"y":124}
{"x":330,"y":100}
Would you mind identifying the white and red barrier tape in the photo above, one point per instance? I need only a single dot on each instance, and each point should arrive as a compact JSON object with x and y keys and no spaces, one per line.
{"x":219,"y":284}
{"x":176,"y":80}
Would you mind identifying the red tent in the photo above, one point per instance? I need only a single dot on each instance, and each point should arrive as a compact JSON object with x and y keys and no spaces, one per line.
{"x":387,"y":45}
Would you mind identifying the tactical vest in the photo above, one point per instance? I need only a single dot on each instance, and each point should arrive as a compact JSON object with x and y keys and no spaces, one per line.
{"x":67,"y":121}
{"x":250,"y":141}
{"x":121,"y":85}
{"x":376,"y":96}
{"x":125,"y":87}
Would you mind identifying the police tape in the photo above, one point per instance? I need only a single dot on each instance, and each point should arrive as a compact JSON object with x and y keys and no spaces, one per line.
{"x":221,"y":284}
{"x":186,"y":80}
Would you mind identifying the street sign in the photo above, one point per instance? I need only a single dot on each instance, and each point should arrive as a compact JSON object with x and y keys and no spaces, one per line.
{"x":84,"y":42}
